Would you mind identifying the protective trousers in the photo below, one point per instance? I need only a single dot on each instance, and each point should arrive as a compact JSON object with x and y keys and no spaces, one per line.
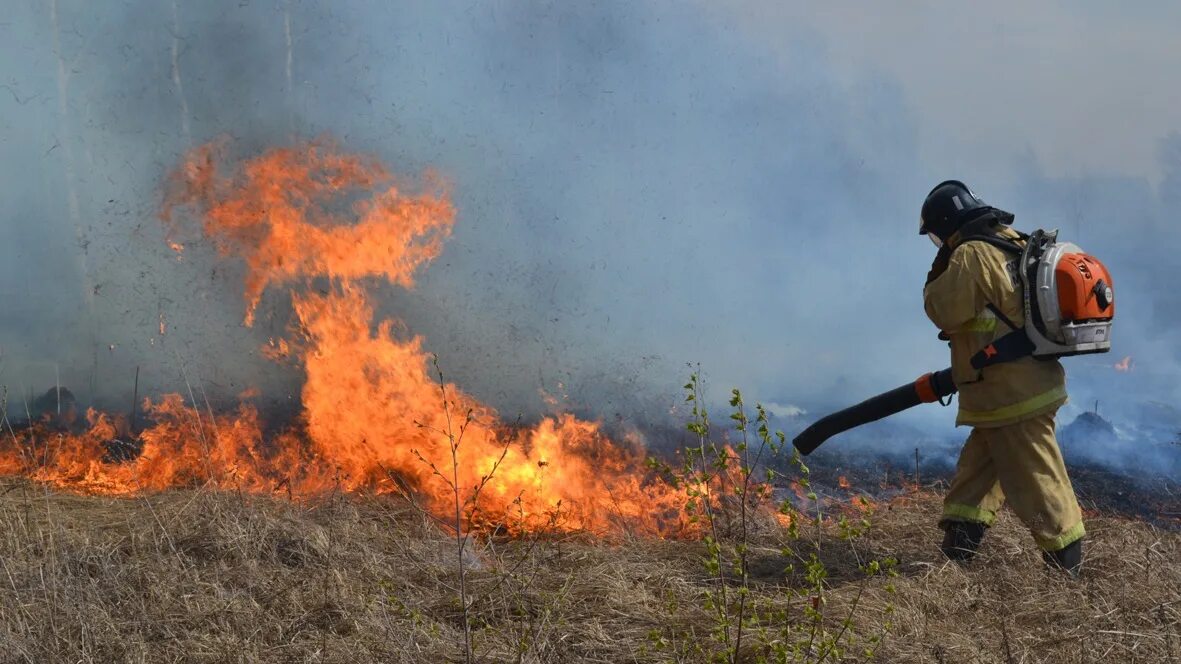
{"x":1020,"y":462}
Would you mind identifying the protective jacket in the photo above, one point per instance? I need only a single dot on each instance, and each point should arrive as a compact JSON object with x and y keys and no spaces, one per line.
{"x":957,"y":301}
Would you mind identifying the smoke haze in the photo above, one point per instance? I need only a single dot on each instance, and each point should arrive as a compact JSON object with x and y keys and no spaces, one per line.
{"x":639,"y":185}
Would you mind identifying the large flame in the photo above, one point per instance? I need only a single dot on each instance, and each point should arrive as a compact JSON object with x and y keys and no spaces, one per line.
{"x":374,"y":414}
{"x":287,"y":214}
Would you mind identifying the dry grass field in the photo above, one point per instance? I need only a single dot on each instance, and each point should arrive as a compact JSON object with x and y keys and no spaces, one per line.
{"x":205,"y":576}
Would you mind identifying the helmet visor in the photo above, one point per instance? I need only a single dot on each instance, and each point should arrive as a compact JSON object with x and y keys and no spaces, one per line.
{"x":935,"y":240}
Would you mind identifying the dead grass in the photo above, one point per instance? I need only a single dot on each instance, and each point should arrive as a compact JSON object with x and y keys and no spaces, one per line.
{"x":201,"y":576}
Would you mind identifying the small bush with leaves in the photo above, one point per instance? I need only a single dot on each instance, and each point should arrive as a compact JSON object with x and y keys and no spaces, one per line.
{"x":729,"y":501}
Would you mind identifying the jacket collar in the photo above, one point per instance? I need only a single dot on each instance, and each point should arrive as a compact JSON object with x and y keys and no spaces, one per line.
{"x":994,"y":222}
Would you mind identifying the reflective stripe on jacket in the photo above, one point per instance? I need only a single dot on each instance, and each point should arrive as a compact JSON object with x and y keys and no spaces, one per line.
{"x":978,"y":274}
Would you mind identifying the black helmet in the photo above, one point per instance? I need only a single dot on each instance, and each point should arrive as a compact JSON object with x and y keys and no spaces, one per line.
{"x":947,"y":207}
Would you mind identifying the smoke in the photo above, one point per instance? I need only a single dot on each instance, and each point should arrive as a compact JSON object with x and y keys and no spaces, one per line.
{"x":639,"y":187}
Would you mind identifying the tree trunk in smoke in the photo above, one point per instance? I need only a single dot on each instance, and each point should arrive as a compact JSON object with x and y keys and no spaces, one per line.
{"x":134,"y":404}
{"x":290,"y":58}
{"x":177,"y":83}
{"x":65,"y":140}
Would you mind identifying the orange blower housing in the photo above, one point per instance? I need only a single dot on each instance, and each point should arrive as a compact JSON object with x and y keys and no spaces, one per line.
{"x":1084,"y":289}
{"x":1069,"y":298}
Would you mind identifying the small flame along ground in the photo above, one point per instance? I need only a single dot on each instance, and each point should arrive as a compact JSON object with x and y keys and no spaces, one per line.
{"x":289,"y":215}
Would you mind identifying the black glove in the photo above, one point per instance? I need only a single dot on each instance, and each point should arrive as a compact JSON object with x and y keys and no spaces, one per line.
{"x":939,"y":265}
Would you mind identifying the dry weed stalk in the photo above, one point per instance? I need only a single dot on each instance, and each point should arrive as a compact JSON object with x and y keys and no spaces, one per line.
{"x":471,"y":504}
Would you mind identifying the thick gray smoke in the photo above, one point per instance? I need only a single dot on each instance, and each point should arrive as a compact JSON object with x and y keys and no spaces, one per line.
{"x":640,"y":185}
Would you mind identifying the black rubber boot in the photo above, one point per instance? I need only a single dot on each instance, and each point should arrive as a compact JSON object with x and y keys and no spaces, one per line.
{"x":961,"y":539}
{"x":1069,"y":558}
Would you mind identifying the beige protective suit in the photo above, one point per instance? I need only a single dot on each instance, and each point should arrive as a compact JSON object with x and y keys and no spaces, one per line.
{"x":1012,"y":452}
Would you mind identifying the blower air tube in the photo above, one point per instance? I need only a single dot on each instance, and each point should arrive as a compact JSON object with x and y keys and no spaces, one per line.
{"x":928,"y":388}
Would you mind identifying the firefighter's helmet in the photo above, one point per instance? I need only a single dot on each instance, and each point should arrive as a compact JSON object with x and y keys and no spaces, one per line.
{"x":946,"y":208}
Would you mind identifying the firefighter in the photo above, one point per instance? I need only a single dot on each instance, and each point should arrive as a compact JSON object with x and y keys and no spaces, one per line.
{"x":972,"y":294}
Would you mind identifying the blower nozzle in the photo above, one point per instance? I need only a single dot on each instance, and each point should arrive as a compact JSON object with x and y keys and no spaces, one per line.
{"x":928,"y":388}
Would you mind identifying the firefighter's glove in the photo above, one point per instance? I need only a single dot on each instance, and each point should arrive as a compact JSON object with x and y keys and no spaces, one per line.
{"x":939,"y":265}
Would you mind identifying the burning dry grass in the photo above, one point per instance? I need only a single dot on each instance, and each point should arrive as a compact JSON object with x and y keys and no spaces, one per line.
{"x":313,"y":212}
{"x":204,"y":576}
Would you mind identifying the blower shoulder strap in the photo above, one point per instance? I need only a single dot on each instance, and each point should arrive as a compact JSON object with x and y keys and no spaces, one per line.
{"x":1016,"y":344}
{"x":1012,"y":346}
{"x":1002,"y":317}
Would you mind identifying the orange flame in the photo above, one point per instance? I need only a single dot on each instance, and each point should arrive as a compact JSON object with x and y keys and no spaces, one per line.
{"x":843,"y":482}
{"x":1125,"y":364}
{"x":799,"y":490}
{"x":374,"y":415}
{"x":864,"y":504}
{"x":280,"y":215}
